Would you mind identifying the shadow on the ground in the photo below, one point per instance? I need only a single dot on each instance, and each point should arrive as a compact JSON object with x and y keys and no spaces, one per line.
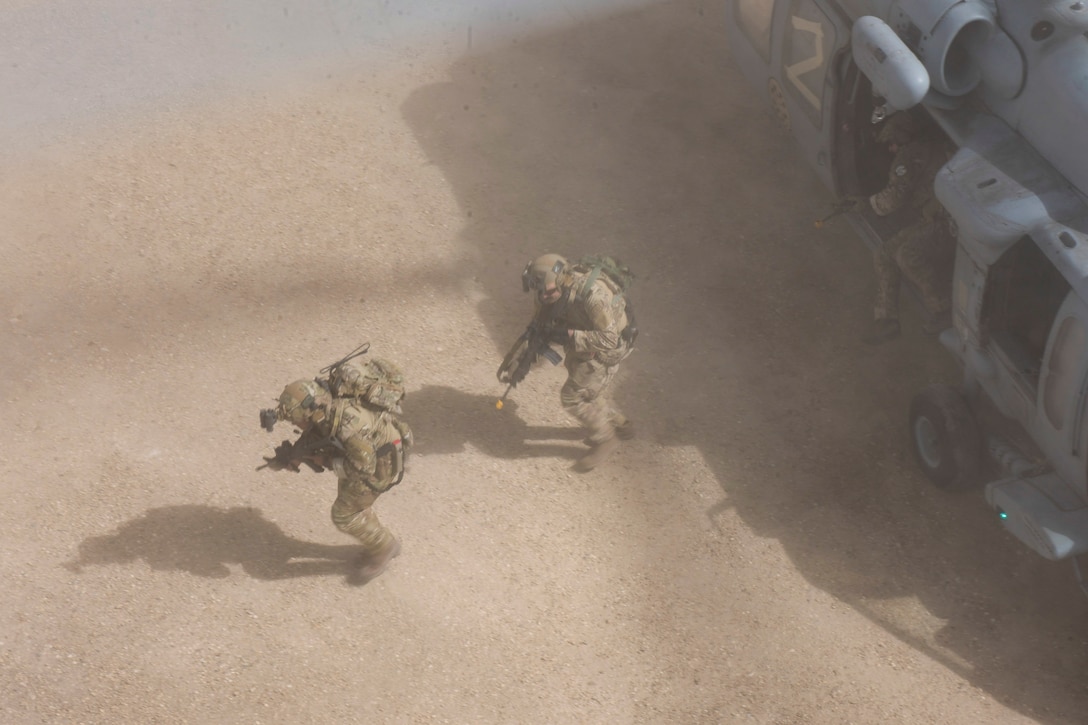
{"x":203,"y":540}
{"x":446,"y":420}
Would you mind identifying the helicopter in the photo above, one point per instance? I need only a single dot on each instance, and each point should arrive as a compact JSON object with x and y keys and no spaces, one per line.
{"x":1006,"y":84}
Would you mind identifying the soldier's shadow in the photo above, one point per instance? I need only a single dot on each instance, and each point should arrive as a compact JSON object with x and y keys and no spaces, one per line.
{"x":445,"y":420}
{"x":203,"y":540}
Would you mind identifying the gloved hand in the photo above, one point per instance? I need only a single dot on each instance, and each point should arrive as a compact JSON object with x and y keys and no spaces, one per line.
{"x":282,"y":460}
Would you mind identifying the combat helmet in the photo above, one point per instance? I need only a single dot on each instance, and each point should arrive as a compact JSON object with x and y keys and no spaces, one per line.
{"x":543,"y":272}
{"x":899,"y":129}
{"x":302,"y":402}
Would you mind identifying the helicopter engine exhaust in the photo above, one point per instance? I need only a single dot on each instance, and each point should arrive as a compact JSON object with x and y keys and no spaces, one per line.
{"x":949,"y":36}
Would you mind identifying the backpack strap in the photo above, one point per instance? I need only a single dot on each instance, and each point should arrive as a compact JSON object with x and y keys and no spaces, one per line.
{"x":588,"y":282}
{"x":337,"y":415}
{"x":594,"y":267}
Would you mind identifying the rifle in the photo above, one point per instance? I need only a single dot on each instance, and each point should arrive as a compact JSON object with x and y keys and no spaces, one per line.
{"x":308,"y":447}
{"x":842,"y":206}
{"x":534,"y":343}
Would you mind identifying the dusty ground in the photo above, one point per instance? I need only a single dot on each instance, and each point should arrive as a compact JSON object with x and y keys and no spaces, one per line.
{"x":764,"y":552}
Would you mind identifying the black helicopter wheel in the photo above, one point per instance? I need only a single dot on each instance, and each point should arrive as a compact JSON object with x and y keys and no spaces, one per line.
{"x":946,"y":438}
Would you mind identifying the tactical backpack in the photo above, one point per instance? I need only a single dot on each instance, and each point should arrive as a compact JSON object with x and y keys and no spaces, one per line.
{"x":379,"y":439}
{"x":594,"y":266}
{"x":621,"y":278}
{"x":375,"y":381}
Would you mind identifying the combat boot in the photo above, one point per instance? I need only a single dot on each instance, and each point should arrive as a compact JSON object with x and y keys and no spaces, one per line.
{"x":373,"y":565}
{"x":598,"y":455}
{"x":624,"y":432}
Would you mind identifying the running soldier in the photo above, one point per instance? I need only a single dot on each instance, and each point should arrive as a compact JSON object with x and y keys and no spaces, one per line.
{"x":584,"y":307}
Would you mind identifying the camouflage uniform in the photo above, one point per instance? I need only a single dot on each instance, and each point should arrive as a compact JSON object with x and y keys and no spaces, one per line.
{"x":595,"y":312}
{"x":364,"y":442}
{"x":374,"y":442}
{"x":915,"y":249}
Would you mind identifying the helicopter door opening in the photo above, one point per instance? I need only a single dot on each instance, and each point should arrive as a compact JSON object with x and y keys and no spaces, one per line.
{"x":1060,"y":427}
{"x":1024,"y":291}
{"x":861,"y":164}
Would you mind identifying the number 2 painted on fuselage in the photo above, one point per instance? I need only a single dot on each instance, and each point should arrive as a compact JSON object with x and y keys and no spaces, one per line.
{"x":794,"y":71}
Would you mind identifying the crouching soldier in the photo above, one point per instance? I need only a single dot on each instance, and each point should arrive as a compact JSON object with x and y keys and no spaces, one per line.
{"x":350,"y":423}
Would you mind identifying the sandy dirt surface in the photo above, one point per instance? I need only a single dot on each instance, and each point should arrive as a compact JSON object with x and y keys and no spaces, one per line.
{"x":765,"y":551}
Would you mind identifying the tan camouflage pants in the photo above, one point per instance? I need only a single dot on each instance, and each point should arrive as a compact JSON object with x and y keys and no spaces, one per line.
{"x":583,"y":396}
{"x":353,"y":513}
{"x":916,"y":252}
